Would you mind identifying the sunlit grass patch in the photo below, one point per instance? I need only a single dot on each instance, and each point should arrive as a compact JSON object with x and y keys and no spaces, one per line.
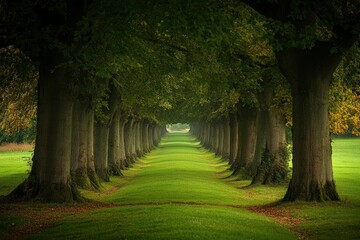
{"x":168,"y":222}
{"x":14,"y":168}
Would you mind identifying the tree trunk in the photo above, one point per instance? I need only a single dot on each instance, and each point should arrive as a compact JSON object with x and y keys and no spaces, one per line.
{"x":122,"y":143}
{"x":83,"y":170}
{"x":226,"y":141}
{"x":101,"y":138}
{"x":273,"y":168}
{"x":91,"y":170}
{"x":234,"y":143}
{"x":102,"y":132}
{"x":309,"y":73}
{"x":155,"y":135}
{"x":151,"y":136}
{"x":50,"y":178}
{"x":134,"y":155}
{"x":146,"y":136}
{"x":114,"y":146}
{"x":128,"y":139}
{"x":216,"y":137}
{"x":207,"y":135}
{"x":312,"y":177}
{"x":138,"y":142}
{"x":248,"y":142}
{"x":220,"y":139}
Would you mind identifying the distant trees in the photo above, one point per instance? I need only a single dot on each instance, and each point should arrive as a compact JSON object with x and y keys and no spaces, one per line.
{"x":17,"y":96}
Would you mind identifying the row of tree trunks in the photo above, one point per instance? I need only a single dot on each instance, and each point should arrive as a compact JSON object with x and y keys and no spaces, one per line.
{"x":120,"y":145}
{"x":251,"y":139}
{"x":72,"y":149}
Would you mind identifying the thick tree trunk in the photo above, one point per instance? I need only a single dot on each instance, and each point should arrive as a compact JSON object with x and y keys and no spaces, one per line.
{"x":309,"y":73}
{"x":102,"y":132}
{"x":274,"y":162}
{"x":50,"y":178}
{"x":145,"y":138}
{"x":101,"y":142}
{"x":122,"y":143}
{"x":273,"y":168}
{"x":156,"y":135}
{"x":260,"y":140}
{"x":240,"y":123}
{"x":220,"y":139}
{"x":134,"y":155}
{"x":128,"y":139}
{"x":138,"y":142}
{"x":226,"y":141}
{"x":151,"y":136}
{"x":248,"y":142}
{"x":211,"y":137}
{"x":82,"y":167}
{"x":114,"y":146}
{"x":312,"y":177}
{"x":91,"y":170}
{"x":234,"y":143}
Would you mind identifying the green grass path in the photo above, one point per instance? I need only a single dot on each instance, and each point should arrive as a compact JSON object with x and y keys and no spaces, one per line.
{"x":178,"y":191}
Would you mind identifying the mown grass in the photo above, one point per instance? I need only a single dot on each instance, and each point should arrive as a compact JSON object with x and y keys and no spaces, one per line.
{"x":173,"y":193}
{"x":14,"y":167}
{"x":181,"y":191}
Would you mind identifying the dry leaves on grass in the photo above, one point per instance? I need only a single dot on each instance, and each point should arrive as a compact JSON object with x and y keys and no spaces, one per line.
{"x":38,"y":218}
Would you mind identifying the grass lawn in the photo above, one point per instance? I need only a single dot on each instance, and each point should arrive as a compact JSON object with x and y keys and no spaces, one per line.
{"x":181,"y":191}
{"x":13,"y":169}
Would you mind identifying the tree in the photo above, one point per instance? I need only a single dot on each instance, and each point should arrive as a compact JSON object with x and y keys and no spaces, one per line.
{"x":17,"y":93}
{"x":309,"y":41}
{"x":54,"y":25}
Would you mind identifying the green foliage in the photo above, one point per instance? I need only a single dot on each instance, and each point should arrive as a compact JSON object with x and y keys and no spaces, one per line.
{"x":26,"y":135}
{"x":344,"y":95}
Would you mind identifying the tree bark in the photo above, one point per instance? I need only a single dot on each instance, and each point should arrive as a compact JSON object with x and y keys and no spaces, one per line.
{"x":101,"y":141}
{"x":122,"y":143}
{"x":145,"y":137}
{"x":114,"y":146}
{"x":226,"y":141}
{"x":234,"y":143}
{"x":50,"y":179}
{"x":207,"y":135}
{"x":91,"y":170}
{"x":151,"y":136}
{"x":248,"y":142}
{"x":138,"y":136}
{"x":309,"y":73}
{"x":220,"y":139}
{"x":273,"y":168}
{"x":128,"y":139}
{"x":82,"y":167}
{"x":239,"y":121}
{"x":102,"y":131}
